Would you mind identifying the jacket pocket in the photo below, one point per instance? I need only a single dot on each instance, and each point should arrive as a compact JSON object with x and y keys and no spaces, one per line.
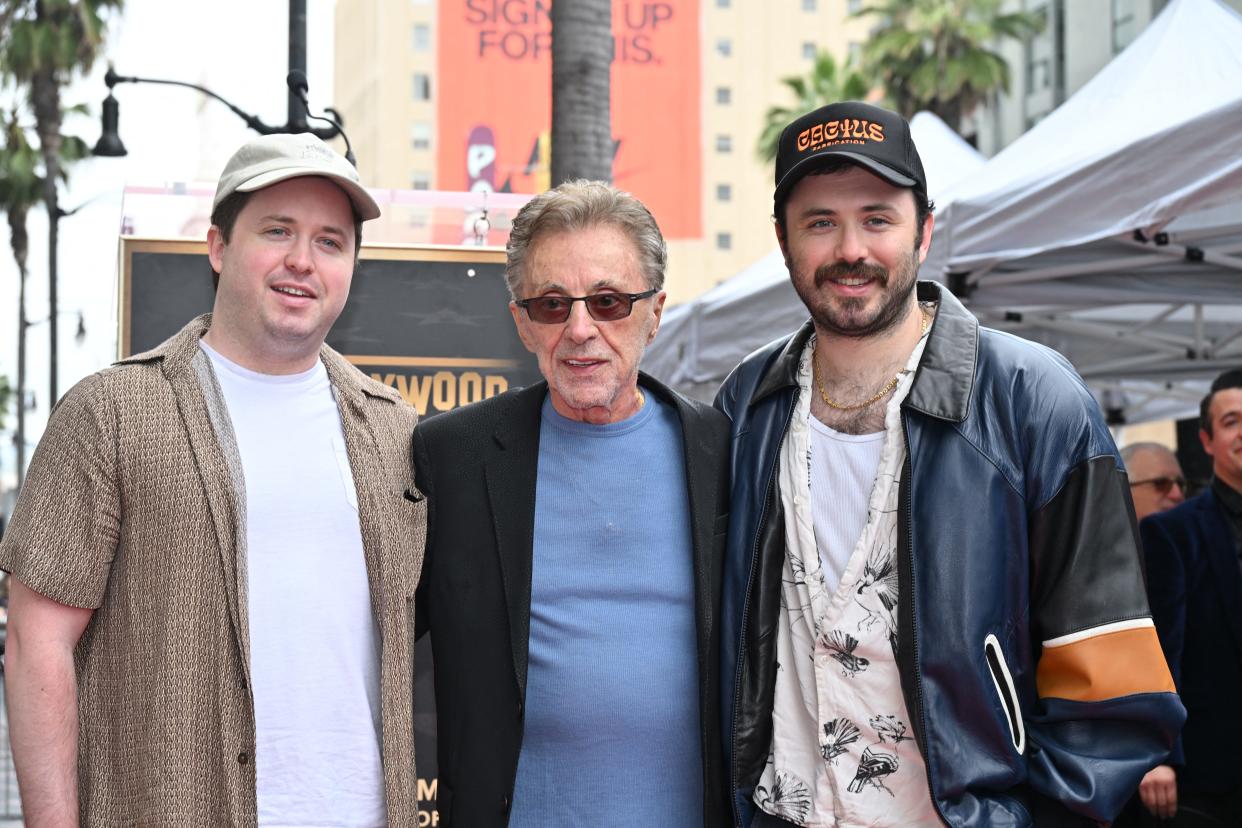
{"x":1002,"y":680}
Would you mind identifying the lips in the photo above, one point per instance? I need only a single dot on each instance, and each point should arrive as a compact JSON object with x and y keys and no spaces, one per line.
{"x":294,"y":291}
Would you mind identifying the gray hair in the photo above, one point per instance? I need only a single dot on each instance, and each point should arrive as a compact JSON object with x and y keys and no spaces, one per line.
{"x":578,"y":205}
{"x":1131,"y":451}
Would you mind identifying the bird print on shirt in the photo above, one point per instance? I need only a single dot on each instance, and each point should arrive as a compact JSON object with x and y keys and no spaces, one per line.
{"x":841,"y":646}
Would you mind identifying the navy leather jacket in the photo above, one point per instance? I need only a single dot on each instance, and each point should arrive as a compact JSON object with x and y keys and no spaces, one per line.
{"x":1029,"y":663}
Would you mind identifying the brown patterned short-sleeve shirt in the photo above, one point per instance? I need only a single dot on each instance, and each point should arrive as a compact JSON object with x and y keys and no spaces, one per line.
{"x":130,"y":509}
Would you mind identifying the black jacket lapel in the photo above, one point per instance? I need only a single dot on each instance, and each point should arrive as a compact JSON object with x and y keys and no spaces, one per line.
{"x":510,"y":473}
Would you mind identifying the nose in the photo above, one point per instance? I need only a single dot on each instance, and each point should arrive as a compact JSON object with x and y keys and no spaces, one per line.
{"x":580,"y":327}
{"x":298,"y":255}
{"x":851,"y":246}
{"x":1176,"y":494}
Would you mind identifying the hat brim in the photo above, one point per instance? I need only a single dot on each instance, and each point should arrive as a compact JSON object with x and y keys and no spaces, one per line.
{"x":798,"y":171}
{"x":363,"y":202}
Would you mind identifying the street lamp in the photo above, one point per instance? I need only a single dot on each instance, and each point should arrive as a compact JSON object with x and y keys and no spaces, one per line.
{"x":111,"y":146}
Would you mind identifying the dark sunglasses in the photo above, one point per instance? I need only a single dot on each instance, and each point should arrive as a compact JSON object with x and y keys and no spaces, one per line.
{"x":603,"y":307}
{"x":1162,"y":484}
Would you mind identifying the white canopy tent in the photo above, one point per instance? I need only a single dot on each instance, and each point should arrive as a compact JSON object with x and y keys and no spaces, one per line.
{"x":1110,"y":231}
{"x":700,"y":341}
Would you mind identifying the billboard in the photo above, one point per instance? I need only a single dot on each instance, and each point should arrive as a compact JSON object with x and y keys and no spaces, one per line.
{"x":494,"y":102}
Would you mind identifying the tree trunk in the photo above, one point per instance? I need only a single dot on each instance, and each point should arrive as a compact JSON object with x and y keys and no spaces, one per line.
{"x":45,"y":98}
{"x":582,"y":50}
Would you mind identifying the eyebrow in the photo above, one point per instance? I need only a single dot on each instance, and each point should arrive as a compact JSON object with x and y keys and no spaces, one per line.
{"x":879,"y":207}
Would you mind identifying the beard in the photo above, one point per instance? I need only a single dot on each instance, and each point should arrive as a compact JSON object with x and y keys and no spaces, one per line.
{"x":851,"y":316}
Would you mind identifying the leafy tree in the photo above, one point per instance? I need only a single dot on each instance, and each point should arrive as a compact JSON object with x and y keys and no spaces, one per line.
{"x":21,"y":188}
{"x":582,"y":52}
{"x":826,"y":83}
{"x":43,"y":43}
{"x":939,"y":55}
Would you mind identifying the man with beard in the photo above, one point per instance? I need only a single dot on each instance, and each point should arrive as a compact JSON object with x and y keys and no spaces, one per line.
{"x":933,"y":608}
{"x":575,"y":534}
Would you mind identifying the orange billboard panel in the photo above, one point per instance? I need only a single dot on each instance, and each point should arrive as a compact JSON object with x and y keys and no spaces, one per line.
{"x":495,"y":102}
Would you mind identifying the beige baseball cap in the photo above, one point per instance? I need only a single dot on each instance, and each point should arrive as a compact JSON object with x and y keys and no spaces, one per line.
{"x":270,"y":159}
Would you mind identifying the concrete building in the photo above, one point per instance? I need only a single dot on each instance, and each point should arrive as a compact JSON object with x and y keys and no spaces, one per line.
{"x":386,"y":86}
{"x":1080,"y":37}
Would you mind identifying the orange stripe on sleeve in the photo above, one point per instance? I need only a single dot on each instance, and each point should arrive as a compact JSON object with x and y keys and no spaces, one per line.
{"x":1105,"y":667}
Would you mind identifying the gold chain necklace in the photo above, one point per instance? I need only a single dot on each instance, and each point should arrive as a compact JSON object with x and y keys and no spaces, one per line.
{"x":888,"y":386}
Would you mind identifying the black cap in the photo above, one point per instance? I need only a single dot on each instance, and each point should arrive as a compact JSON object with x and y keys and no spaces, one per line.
{"x":868,"y":135}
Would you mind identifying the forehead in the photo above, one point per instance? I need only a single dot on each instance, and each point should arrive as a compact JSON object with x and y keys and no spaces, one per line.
{"x":1226,"y":401}
{"x":852,"y":187}
{"x":588,"y":257}
{"x":309,"y":198}
{"x":1154,"y":461}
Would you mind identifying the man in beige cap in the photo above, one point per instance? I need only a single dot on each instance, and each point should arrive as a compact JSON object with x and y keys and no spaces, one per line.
{"x":215,"y":552}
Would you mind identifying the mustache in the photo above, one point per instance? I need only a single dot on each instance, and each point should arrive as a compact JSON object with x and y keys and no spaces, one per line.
{"x":845,"y":270}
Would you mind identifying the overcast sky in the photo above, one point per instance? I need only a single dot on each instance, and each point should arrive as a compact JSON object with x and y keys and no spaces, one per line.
{"x":237,"y":49}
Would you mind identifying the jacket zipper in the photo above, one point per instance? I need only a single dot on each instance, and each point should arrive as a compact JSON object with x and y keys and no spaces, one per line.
{"x":750,"y":582}
{"x":908,"y":518}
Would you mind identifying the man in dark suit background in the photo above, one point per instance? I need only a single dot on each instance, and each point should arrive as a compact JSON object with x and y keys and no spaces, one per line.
{"x":575,"y":528}
{"x":1194,"y":582}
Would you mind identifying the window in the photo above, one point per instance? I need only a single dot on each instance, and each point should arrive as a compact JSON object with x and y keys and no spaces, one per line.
{"x":1125,"y":26}
{"x":420,"y":135}
{"x":855,"y":53}
{"x":422,"y":86}
{"x":724,"y":192}
{"x":854,"y":6}
{"x":723,"y":4}
{"x":422,"y":37}
{"x":724,"y":241}
{"x":808,"y":50}
{"x":808,"y":5}
{"x":420,"y":180}
{"x":724,"y":95}
{"x":724,"y":143}
{"x":724,"y":47}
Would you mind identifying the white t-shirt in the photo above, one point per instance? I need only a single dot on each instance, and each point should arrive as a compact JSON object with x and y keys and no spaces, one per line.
{"x":843,"y":468}
{"x":314,"y":644}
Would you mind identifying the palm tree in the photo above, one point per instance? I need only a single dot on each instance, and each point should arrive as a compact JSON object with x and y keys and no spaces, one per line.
{"x":21,"y":188}
{"x":826,"y":83}
{"x":939,"y":55}
{"x":42,"y":44}
{"x":582,"y":50}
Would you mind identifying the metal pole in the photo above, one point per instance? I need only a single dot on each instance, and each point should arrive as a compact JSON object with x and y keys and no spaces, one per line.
{"x":297,"y":62}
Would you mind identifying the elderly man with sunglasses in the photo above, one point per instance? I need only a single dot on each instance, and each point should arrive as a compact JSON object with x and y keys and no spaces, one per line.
{"x":575,"y":531}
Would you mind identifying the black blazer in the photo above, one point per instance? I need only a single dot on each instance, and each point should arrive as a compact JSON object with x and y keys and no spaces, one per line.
{"x":1194,"y":583}
{"x":477,"y":466}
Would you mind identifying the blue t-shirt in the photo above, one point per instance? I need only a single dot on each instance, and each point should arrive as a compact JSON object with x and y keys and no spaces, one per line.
{"x":612,"y":713}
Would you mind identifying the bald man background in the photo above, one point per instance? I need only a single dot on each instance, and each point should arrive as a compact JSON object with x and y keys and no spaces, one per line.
{"x":1156,"y":481}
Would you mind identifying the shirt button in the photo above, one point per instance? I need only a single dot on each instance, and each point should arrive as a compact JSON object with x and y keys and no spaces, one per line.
{"x":520,"y":709}
{"x":798,"y":500}
{"x":504,"y":804}
{"x":243,"y":758}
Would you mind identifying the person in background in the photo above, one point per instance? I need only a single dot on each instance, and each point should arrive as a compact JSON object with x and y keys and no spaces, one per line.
{"x":1194,"y":580}
{"x":1156,"y":479}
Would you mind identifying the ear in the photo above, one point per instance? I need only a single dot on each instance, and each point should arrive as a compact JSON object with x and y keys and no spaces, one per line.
{"x":520,"y":322}
{"x":929,"y":225}
{"x":1206,"y":440}
{"x":657,"y":304}
{"x":215,"y":248}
